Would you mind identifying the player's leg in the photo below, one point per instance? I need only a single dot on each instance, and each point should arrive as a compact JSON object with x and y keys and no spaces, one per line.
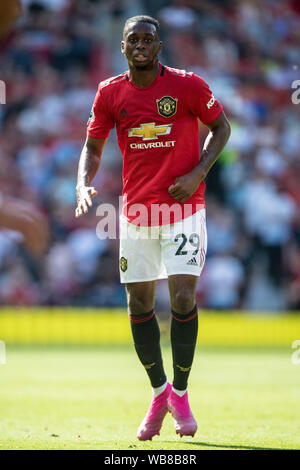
{"x":145,"y":330}
{"x":184,"y":327}
{"x":140,"y":266}
{"x":146,"y":337}
{"x":183,"y":251}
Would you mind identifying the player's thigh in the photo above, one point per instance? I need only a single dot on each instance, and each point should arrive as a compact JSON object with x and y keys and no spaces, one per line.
{"x":140,"y":254}
{"x":184,"y":245}
{"x":140,"y":296}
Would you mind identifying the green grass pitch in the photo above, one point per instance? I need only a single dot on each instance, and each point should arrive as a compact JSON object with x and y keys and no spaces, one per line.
{"x":95,"y":398}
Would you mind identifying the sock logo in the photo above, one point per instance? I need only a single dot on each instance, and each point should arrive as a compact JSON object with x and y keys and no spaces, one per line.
{"x":148,"y":366}
{"x":183,"y":369}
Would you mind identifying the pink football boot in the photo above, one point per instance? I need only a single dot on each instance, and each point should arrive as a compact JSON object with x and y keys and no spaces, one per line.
{"x":184,"y":421}
{"x":152,"y":422}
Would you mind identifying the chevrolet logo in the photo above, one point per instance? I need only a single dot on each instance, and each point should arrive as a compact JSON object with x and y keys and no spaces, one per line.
{"x":150,"y":131}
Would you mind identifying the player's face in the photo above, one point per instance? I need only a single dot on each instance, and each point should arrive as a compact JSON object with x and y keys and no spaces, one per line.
{"x":141,"y":45}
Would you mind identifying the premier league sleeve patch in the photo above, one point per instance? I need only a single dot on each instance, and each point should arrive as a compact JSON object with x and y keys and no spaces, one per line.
{"x":167,"y":106}
{"x":91,"y":117}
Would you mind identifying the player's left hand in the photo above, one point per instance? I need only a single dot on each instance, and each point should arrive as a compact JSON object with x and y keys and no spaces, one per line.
{"x":184,"y":187}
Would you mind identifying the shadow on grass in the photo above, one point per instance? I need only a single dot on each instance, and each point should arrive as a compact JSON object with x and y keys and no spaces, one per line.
{"x":226,"y":446}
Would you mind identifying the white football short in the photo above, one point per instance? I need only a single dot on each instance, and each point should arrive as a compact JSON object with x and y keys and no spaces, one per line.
{"x":150,"y":253}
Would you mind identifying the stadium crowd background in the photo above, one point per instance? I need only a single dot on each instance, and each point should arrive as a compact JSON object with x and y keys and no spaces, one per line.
{"x":249,"y":53}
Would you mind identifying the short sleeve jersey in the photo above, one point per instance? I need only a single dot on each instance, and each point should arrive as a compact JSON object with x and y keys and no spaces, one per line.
{"x":158,"y":135}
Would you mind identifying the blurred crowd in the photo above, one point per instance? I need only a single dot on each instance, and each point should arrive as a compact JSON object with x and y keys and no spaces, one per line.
{"x":249,"y":53}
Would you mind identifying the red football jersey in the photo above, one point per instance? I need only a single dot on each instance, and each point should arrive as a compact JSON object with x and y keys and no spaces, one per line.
{"x":157,"y":129}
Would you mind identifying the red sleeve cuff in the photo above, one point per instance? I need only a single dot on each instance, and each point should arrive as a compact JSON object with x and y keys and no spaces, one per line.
{"x":215,"y":115}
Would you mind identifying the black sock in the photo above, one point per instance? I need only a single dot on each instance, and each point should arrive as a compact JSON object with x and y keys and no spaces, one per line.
{"x":184,"y":329}
{"x":146,"y":337}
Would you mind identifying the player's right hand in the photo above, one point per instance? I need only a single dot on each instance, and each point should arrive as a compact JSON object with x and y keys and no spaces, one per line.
{"x":84,"y":199}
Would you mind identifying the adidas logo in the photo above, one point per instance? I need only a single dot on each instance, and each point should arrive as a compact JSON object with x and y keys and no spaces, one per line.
{"x":193,"y":262}
{"x":123,"y":112}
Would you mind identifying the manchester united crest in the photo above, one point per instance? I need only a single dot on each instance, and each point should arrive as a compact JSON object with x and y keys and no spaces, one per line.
{"x":123,"y":264}
{"x":167,"y":106}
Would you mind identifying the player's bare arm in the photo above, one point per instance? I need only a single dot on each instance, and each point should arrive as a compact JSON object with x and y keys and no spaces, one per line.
{"x":186,"y":185}
{"x":87,"y":168}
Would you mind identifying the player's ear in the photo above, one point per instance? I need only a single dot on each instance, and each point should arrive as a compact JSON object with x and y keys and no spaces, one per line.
{"x":123,"y":47}
{"x":160,"y":47}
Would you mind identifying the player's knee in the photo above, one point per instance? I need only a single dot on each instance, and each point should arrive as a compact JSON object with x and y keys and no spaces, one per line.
{"x":138,"y":305}
{"x":183,"y":301}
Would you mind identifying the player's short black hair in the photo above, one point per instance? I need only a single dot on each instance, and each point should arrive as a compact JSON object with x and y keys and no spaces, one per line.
{"x":143,"y":19}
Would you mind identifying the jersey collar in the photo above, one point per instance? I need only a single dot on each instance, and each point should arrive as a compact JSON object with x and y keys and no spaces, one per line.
{"x":160,"y":74}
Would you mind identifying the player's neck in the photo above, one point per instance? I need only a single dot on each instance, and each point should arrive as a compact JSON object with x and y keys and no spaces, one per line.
{"x":143,"y":78}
